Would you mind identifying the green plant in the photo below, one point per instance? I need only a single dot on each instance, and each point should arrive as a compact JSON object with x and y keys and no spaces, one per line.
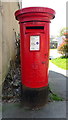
{"x":17,"y":48}
{"x":55,"y":97}
{"x":63,"y":49}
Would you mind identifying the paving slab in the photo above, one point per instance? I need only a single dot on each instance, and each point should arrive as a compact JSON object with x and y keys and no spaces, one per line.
{"x":50,"y":110}
{"x":0,"y":110}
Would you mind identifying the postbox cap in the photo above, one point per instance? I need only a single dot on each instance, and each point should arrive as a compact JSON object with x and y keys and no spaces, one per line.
{"x":39,"y":11}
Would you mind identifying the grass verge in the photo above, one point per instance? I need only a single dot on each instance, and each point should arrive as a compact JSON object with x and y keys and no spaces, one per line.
{"x":61,"y":62}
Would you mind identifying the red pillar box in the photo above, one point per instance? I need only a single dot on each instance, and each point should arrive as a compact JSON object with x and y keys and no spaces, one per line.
{"x":34,"y":45}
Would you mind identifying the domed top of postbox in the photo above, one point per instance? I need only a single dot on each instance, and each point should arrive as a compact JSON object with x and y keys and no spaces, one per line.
{"x":34,"y":14}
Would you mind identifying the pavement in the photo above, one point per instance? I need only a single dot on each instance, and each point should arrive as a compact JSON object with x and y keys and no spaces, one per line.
{"x":56,"y":69}
{"x":50,"y":110}
{"x":55,"y":109}
{"x":54,"y":53}
{"x":57,"y":80}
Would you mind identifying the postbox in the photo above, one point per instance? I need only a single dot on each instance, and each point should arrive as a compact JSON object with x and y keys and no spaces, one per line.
{"x":34,"y":45}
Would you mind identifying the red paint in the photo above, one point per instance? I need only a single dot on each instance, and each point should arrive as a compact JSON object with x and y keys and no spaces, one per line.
{"x":34,"y":64}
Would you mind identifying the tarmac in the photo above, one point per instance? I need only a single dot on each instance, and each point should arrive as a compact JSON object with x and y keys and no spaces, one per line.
{"x":57,"y":80}
{"x":55,"y":109}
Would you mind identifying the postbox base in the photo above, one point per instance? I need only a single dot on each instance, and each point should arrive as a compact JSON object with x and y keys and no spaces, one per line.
{"x":35,"y":97}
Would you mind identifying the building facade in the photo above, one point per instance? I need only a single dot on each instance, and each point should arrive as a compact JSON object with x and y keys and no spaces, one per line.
{"x":8,"y":30}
